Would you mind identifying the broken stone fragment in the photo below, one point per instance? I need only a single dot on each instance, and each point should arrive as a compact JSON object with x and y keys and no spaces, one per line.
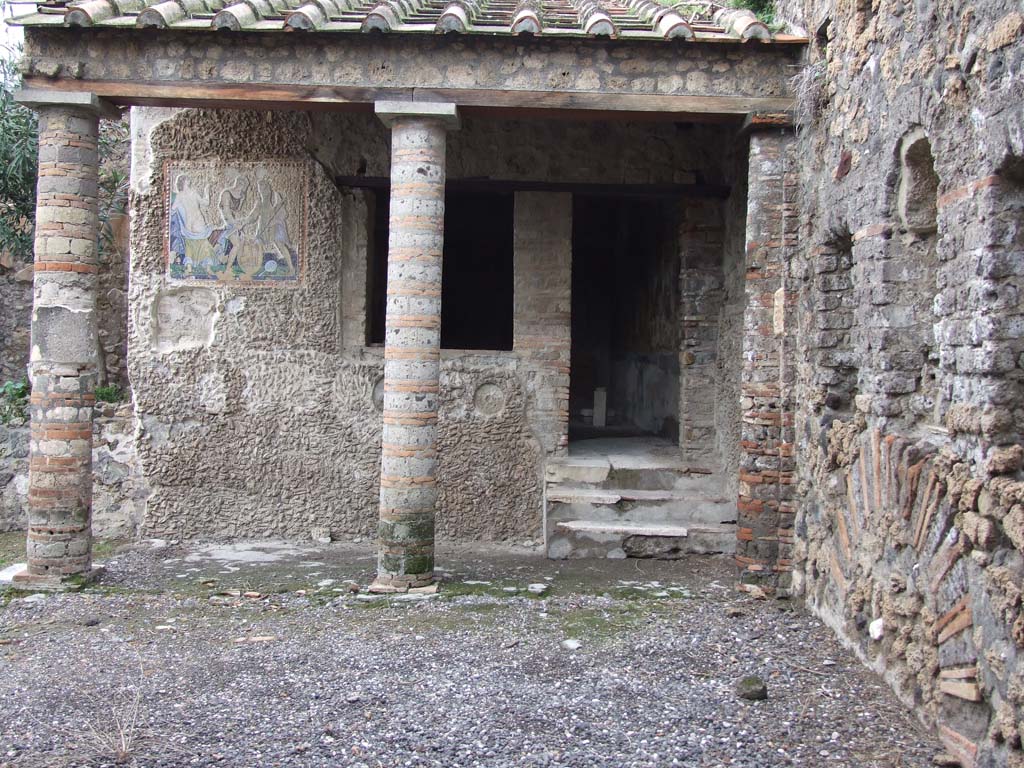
{"x":876,"y":629}
{"x":752,"y":688}
{"x":1004,"y":461}
{"x":430,"y":589}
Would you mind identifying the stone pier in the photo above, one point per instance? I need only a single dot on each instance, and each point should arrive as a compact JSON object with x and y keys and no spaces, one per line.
{"x":767,"y":464}
{"x":63,"y":359}
{"x":412,"y":345}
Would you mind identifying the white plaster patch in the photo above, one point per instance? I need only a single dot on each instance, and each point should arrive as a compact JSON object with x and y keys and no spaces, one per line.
{"x":246,"y":553}
{"x":212,"y":392}
{"x":184,"y":318}
{"x":7,"y":574}
{"x":143,"y":121}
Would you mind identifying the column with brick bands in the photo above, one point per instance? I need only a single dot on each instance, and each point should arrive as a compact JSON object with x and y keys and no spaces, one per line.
{"x":412,"y":348}
{"x":63,"y":360}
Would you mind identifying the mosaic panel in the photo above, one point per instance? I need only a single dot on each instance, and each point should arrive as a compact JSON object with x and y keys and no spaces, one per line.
{"x":236,"y":222}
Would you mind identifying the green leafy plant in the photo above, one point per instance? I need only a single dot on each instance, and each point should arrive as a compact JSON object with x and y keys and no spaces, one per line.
{"x":14,"y":401}
{"x":113,"y":202}
{"x":19,"y":142}
{"x":110,"y":393}
{"x":763,"y":9}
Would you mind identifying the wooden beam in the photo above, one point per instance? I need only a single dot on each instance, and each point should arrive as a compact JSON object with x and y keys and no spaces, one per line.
{"x":478,"y":101}
{"x":647,"y":191}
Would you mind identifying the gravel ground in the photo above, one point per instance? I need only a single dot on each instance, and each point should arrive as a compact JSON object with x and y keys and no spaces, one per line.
{"x":169,"y":663}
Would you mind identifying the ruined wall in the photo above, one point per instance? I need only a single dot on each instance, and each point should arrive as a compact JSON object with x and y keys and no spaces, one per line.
{"x":119,"y":490}
{"x":909,"y":425}
{"x":15,"y":315}
{"x":258,"y":401}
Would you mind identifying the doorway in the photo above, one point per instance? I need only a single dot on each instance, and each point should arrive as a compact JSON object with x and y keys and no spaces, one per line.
{"x":625,"y":319}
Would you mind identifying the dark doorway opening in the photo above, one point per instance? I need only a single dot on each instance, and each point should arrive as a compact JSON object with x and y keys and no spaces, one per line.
{"x":625,"y":319}
{"x":477,"y":273}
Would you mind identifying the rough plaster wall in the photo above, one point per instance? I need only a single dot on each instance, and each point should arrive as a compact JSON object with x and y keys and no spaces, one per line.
{"x":542,"y":310}
{"x":729,"y":362}
{"x":356,"y":244}
{"x":15,"y":314}
{"x":908,"y":514}
{"x":249,"y":421}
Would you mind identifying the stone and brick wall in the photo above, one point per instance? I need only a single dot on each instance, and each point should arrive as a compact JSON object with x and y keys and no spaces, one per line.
{"x":543,"y":303}
{"x":119,"y":491}
{"x":701,"y":248}
{"x":908,"y":353}
{"x":767,"y":465}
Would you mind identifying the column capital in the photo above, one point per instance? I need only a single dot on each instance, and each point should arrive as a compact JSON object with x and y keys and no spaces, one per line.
{"x":83,"y":100}
{"x":392,"y":111}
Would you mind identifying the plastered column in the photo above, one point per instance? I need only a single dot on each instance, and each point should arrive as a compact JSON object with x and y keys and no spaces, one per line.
{"x":63,"y":359}
{"x":412,"y":343}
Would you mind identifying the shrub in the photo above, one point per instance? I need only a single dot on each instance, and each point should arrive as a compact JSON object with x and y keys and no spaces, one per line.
{"x":13,"y":401}
{"x":18,"y":166}
{"x":110,"y":393}
{"x":763,"y":9}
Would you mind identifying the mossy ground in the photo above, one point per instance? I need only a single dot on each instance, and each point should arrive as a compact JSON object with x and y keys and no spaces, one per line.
{"x":12,"y":548}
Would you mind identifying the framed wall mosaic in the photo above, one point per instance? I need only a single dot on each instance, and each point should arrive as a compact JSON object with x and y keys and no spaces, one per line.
{"x":236,"y":222}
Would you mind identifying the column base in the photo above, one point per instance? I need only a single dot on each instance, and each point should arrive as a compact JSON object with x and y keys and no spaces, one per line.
{"x":420,"y":582}
{"x":70,"y":583}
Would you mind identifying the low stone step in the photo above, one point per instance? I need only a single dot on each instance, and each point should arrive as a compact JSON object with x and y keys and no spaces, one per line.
{"x":622,"y":529}
{"x":619,"y":539}
{"x":662,"y":473}
{"x":640,"y":506}
{"x":583,"y":470}
{"x":573,"y":494}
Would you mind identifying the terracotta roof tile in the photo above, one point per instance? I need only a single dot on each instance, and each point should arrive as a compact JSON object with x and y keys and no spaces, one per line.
{"x":700,"y":20}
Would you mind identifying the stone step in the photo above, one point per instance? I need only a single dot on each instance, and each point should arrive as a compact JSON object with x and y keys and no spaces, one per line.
{"x":603,"y":539}
{"x":641,"y":506}
{"x":656,"y":473}
{"x":572,"y":494}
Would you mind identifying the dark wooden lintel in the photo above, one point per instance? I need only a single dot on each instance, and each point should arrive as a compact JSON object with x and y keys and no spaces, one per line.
{"x":644,"y":191}
{"x":484,"y":102}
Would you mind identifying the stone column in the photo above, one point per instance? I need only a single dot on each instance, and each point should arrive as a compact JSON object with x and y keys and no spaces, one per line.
{"x":63,"y":359}
{"x":412,"y":342}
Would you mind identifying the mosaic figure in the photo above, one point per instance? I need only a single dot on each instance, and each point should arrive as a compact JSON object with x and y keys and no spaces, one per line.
{"x":236,"y":223}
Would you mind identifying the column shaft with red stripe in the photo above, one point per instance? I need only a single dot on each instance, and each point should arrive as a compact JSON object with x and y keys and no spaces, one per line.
{"x":63,"y":359}
{"x":412,"y":345}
